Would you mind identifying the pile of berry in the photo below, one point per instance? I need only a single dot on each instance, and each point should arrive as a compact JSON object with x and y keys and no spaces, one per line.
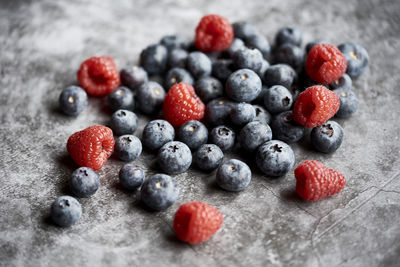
{"x":217,"y":92}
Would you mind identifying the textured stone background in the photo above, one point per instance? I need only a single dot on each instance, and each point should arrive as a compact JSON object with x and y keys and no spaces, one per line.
{"x":42,"y":44}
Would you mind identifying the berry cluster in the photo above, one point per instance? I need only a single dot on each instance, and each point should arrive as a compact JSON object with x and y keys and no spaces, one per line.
{"x":245,"y":96}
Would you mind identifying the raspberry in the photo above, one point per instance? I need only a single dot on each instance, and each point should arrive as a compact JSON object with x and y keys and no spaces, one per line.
{"x":315,"y":181}
{"x":91,"y":147}
{"x":315,"y":105}
{"x":98,"y":75}
{"x":325,"y":63}
{"x":181,"y":105}
{"x":214,"y":33}
{"x":195,"y":222}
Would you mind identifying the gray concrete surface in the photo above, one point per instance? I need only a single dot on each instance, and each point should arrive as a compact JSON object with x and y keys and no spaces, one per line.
{"x":42,"y":44}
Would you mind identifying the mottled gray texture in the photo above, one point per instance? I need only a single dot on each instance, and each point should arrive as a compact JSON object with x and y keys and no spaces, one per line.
{"x":42,"y":45}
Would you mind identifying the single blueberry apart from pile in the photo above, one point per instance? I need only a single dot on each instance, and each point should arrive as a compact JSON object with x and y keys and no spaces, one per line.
{"x":253,"y":135}
{"x":275,"y":158}
{"x":121,"y":98}
{"x":84,"y":182}
{"x":208,"y":157}
{"x":73,"y":100}
{"x":174,"y":157}
{"x":243,"y":85}
{"x":223,"y":136}
{"x":233,"y":175}
{"x":285,"y":128}
{"x":159,"y":192}
{"x":357,"y":59}
{"x":193,"y":134}
{"x":66,"y":211}
{"x":327,"y":137}
{"x":149,"y":97}
{"x":278,"y":99}
{"x":133,"y":77}
{"x":128,"y":147}
{"x":131,"y":176}
{"x":123,"y":122}
{"x":156,"y":133}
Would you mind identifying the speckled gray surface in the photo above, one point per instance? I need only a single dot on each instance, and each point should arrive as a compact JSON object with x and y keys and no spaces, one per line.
{"x":42,"y":44}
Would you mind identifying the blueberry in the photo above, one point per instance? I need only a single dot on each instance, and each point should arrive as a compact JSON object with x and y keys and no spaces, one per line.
{"x":159,"y":192}
{"x":233,"y":175}
{"x":121,"y":98}
{"x":177,"y":58}
{"x":208,"y":157}
{"x":149,"y":97}
{"x":236,"y":45}
{"x":260,"y":97}
{"x":199,"y":64}
{"x":345,"y":83}
{"x":177,"y":75}
{"x":357,"y":59}
{"x":242,"y":29}
{"x":208,"y":88}
{"x":243,"y":85}
{"x":285,"y":128}
{"x":65,"y":211}
{"x":260,"y":42}
{"x":222,"y":69}
{"x":242,"y":114}
{"x":289,"y":54}
{"x":174,"y":157}
{"x":154,"y":59}
{"x":131,"y":176}
{"x":223,"y":136}
{"x":348,"y":103}
{"x":133,"y":77}
{"x":278,"y":99}
{"x":264,"y":67}
{"x":156,"y":133}
{"x":73,"y":100}
{"x":128,"y":147}
{"x":327,"y":137}
{"x":280,"y":74}
{"x":247,"y":58}
{"x":123,"y":122}
{"x":313,"y":43}
{"x":84,"y":182}
{"x":218,"y":111}
{"x":193,"y":134}
{"x":288,"y":35}
{"x":262,"y":115}
{"x":253,"y":135}
{"x":275,"y":158}
{"x":173,"y":41}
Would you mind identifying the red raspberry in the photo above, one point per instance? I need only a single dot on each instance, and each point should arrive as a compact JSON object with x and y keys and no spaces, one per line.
{"x":325,"y":63}
{"x":315,"y":181}
{"x":181,"y":104}
{"x":214,"y":33}
{"x":195,"y":222}
{"x":91,"y":147}
{"x":98,"y":75}
{"x":315,"y":105}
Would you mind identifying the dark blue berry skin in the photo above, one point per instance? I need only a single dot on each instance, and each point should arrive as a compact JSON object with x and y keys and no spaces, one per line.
{"x":156,"y":133}
{"x":223,"y":136}
{"x":208,"y":157}
{"x":174,"y":157}
{"x":193,"y":134}
{"x":345,"y":83}
{"x":218,"y":111}
{"x":242,"y":113}
{"x":275,"y":158}
{"x":123,"y":122}
{"x":73,"y":100}
{"x":154,"y":59}
{"x":289,"y":54}
{"x":260,"y":42}
{"x":177,"y":75}
{"x":133,"y":77}
{"x":128,"y":147}
{"x":285,"y":128}
{"x":288,"y":35}
{"x":199,"y":64}
{"x":357,"y":59}
{"x":262,"y":115}
{"x":265,"y":66}
{"x":131,"y":176}
{"x":278,"y":99}
{"x":149,"y":97}
{"x":253,"y":135}
{"x":159,"y":192}
{"x":247,"y":58}
{"x":279,"y":74}
{"x":177,"y":58}
{"x":233,"y":175}
{"x":348,"y":103}
{"x":243,"y":85}
{"x":208,"y":88}
{"x":327,"y":137}
{"x":222,"y":69}
{"x":236,"y":45}
{"x":313,"y":43}
{"x":173,"y":41}
{"x":66,"y":211}
{"x":84,"y":182}
{"x":260,"y":97}
{"x":243,"y":29}
{"x":121,"y":98}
